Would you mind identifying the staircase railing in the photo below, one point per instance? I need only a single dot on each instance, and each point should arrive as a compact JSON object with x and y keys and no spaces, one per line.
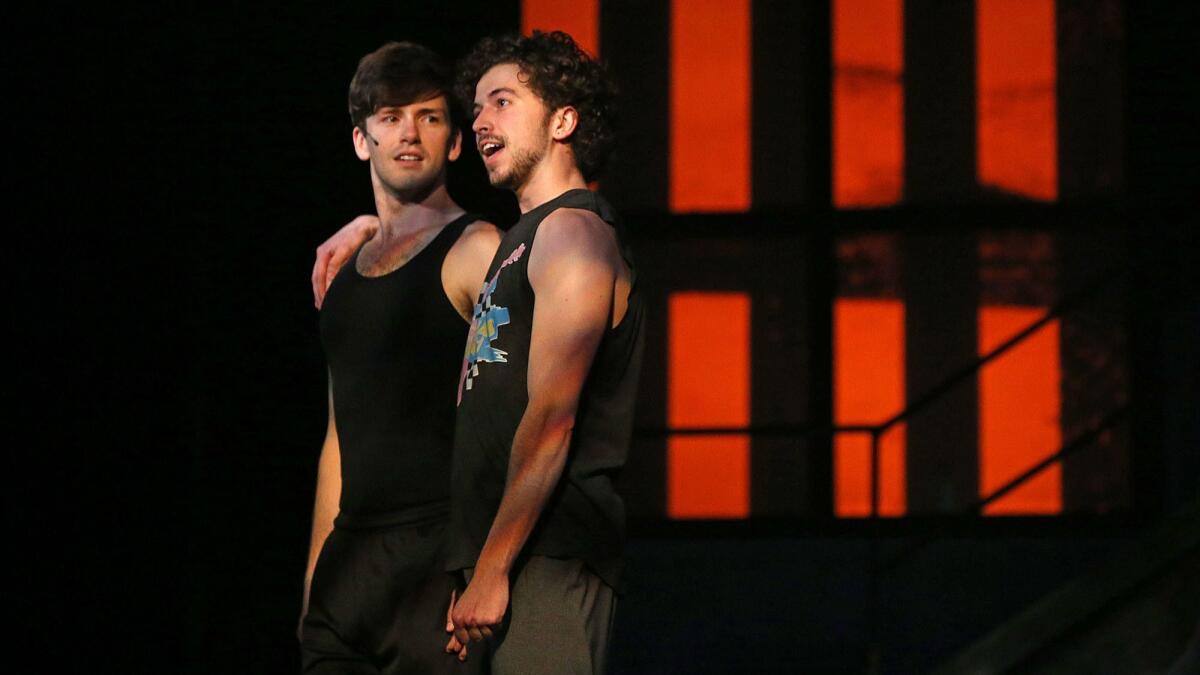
{"x":876,"y":431}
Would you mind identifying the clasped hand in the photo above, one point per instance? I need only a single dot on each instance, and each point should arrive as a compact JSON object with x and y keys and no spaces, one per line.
{"x":478,"y":613}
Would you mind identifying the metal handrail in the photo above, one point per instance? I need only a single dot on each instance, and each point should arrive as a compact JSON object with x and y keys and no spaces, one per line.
{"x":1057,"y":310}
{"x":876,"y":431}
{"x":874,"y":654}
{"x":1076,"y":444}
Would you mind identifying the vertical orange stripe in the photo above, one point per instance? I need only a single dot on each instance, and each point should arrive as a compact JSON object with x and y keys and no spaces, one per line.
{"x":708,"y":384}
{"x":1017,"y":130}
{"x":579,"y":18}
{"x":868,"y":102}
{"x":1019,"y":408}
{"x":710,"y":105}
{"x":868,"y":386}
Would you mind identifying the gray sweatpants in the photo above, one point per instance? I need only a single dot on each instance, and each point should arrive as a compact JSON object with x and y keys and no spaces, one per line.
{"x":559,"y":621}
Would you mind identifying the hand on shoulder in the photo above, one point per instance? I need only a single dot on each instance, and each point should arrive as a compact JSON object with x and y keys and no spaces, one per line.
{"x":335,"y":251}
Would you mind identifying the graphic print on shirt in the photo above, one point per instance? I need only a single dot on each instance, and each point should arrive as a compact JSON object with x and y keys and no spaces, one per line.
{"x":486,"y":320}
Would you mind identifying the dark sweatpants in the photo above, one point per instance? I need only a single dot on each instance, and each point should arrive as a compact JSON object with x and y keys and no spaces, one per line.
{"x":378,"y":604}
{"x":559,"y":621}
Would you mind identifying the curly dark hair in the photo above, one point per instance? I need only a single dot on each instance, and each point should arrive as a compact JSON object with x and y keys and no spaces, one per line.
{"x":561,"y":74}
{"x":400,"y":73}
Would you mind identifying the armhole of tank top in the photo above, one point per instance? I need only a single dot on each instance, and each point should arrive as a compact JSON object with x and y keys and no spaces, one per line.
{"x":624,"y":252}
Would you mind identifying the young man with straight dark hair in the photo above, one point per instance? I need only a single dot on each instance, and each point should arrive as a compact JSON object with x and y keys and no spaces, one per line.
{"x":376,"y":594}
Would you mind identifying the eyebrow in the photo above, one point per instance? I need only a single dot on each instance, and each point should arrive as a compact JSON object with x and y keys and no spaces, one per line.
{"x":420,"y":111}
{"x":498,"y":90}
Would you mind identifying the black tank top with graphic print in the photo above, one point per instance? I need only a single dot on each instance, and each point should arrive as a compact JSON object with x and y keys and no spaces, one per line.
{"x":584,"y":517}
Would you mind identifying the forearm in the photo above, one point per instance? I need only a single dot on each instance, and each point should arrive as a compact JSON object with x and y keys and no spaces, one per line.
{"x":539,"y":454}
{"x":367,"y":225}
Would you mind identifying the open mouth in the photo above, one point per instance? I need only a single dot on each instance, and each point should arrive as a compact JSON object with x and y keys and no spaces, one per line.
{"x":490,"y":147}
{"x":408,"y":157}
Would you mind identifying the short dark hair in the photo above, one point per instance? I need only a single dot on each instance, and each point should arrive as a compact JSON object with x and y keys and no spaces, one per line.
{"x":561,"y":74}
{"x":397,"y":74}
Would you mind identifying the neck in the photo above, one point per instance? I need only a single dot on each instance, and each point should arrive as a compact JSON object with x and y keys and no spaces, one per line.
{"x":554,"y":175}
{"x":399,"y":215}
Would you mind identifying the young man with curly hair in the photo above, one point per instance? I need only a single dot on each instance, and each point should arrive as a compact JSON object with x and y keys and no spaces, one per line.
{"x":548,"y":380}
{"x":546,"y":394}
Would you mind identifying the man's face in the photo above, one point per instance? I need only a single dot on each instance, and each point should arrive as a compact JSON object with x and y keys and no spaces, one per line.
{"x":511,"y":126}
{"x":409,"y":146}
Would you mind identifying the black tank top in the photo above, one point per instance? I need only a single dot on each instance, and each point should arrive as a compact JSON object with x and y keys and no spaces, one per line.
{"x":393,"y":343}
{"x":584,"y":517}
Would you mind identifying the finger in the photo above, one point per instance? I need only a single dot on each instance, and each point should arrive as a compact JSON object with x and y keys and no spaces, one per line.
{"x":318,"y":276}
{"x":319,"y":265}
{"x":449,"y":610}
{"x":475,"y":633}
{"x":337,"y":260}
{"x":487,"y":631}
{"x":462,"y":653}
{"x":460,"y":634}
{"x":453,"y":646}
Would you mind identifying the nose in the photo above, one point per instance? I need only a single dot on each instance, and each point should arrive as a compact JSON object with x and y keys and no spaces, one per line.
{"x":482,"y":123}
{"x":408,"y":130}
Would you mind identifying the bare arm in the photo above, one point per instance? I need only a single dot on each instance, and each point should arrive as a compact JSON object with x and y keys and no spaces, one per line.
{"x":463,"y":274}
{"x":466,"y":265}
{"x":325,"y":504}
{"x":336,"y":250}
{"x":573,"y":267}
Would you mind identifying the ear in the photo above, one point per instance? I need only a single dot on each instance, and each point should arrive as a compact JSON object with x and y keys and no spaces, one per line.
{"x":455,"y":146}
{"x":360,"y":144}
{"x":565,"y":121}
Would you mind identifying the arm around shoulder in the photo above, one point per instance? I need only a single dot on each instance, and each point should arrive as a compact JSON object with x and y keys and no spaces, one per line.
{"x":333,"y":253}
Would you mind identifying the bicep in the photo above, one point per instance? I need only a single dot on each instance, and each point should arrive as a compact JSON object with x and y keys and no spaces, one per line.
{"x":570,"y":316}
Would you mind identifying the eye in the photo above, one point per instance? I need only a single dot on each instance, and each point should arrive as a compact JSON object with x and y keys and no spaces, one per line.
{"x":433,"y":119}
{"x":502,"y":102}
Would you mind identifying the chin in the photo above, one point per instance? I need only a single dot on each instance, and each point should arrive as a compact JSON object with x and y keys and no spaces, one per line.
{"x":412,"y":187}
{"x":498,"y":179}
{"x":507,"y":184}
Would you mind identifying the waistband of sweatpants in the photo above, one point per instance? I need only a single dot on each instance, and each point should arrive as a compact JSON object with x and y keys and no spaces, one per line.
{"x":421,"y":514}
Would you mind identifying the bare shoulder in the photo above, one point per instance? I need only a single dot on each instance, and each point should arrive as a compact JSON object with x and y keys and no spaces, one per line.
{"x":478,"y":241}
{"x":466,"y":264}
{"x":481,"y":230}
{"x":575,"y":232}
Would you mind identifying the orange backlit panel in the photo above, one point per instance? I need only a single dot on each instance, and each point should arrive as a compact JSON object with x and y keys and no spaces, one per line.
{"x":868,"y":386}
{"x":1016,"y":132}
{"x":868,"y":103}
{"x":579,"y":18}
{"x":708,"y":477}
{"x":708,"y":385}
{"x":710,"y":106}
{"x":1019,"y":408}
